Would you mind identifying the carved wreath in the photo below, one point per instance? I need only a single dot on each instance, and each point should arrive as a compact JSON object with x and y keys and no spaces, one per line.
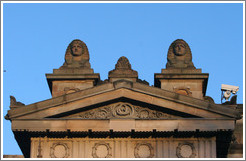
{"x":136,"y":150}
{"x":52,"y":150}
{"x":179,"y":150}
{"x":94,"y":150}
{"x":123,"y":110}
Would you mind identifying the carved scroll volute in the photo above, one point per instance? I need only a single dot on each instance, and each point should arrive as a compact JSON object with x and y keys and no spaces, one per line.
{"x":123,"y":110}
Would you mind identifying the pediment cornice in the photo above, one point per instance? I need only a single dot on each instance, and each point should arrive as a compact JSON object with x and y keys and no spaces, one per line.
{"x":119,"y":89}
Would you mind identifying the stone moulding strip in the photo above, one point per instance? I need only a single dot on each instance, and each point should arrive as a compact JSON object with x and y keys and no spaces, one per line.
{"x":67,"y":119}
{"x":136,"y":87}
{"x":97,"y":135}
{"x":181,"y":76}
{"x":136,"y":125}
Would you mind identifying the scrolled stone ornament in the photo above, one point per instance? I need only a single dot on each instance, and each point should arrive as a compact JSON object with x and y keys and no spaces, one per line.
{"x":144,"y":114}
{"x":123,"y":110}
{"x":179,"y":55}
{"x":87,"y":115}
{"x":160,"y":115}
{"x":103,"y":113}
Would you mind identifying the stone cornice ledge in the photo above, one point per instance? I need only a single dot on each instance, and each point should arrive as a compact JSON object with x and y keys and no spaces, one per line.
{"x":138,"y":87}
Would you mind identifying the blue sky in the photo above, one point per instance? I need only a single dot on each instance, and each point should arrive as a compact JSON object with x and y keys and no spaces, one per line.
{"x":35,"y":37}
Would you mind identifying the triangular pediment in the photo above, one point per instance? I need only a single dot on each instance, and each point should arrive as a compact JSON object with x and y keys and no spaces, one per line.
{"x":109,"y":95}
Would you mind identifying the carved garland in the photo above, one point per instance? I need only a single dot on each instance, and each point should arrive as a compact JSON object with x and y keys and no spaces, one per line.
{"x":53,"y":150}
{"x":137,"y":149}
{"x":94,"y":150}
{"x":181,"y":147}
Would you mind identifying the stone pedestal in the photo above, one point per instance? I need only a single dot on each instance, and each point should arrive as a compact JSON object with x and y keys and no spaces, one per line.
{"x":64,"y":81}
{"x":190,"y":82}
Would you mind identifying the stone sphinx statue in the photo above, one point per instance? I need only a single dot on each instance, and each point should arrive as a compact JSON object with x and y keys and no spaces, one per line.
{"x":77,"y":55}
{"x":179,"y":55}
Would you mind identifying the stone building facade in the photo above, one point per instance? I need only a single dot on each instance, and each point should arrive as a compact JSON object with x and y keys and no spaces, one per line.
{"x":124,"y":117}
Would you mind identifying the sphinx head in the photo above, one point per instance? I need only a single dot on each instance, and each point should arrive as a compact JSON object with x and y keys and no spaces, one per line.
{"x":76,"y":47}
{"x":179,"y":55}
{"x":179,"y":48}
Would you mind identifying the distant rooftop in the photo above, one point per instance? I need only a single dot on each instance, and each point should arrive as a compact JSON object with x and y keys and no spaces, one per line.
{"x":13,"y":156}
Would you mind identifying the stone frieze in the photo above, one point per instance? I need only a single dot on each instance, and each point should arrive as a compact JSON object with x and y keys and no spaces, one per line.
{"x":122,"y":110}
